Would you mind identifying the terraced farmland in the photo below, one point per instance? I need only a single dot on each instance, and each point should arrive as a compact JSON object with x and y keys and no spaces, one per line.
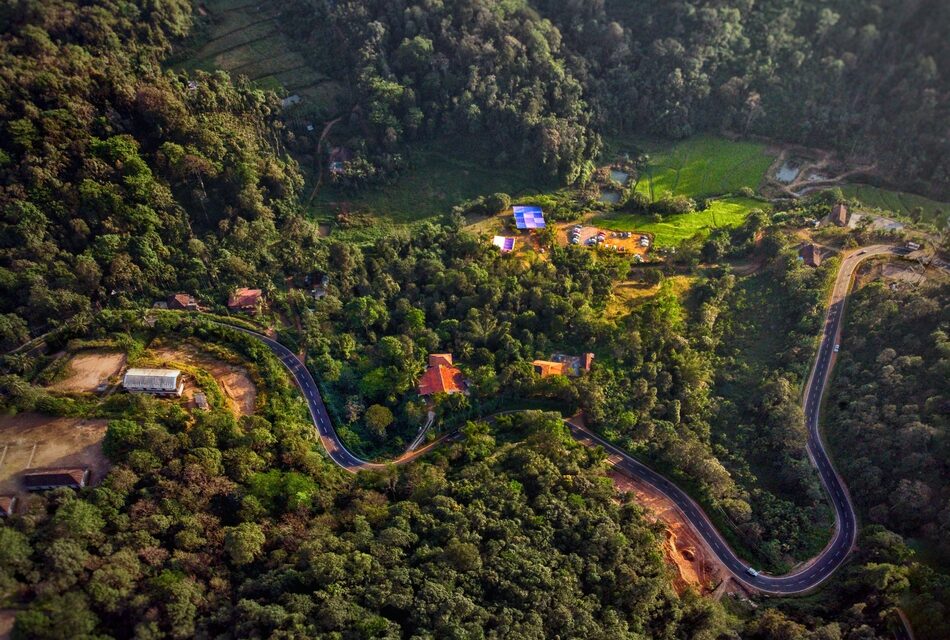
{"x":245,"y":40}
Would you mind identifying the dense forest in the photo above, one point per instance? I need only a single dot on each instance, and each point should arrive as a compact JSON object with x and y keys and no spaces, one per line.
{"x":890,"y":408}
{"x":121,"y":182}
{"x":208,"y":526}
{"x":542,"y":81}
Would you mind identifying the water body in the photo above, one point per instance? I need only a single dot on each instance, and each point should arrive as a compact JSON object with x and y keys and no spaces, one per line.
{"x":619,"y":176}
{"x":609,"y":196}
{"x":787,"y":172}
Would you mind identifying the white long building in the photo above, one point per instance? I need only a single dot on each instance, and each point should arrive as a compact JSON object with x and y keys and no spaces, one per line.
{"x":163,"y":382}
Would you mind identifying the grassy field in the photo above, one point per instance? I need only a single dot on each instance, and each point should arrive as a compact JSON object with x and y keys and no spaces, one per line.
{"x":899,"y":202}
{"x":729,"y":212}
{"x":443,"y":174}
{"x":702,"y":166}
{"x":244,"y":39}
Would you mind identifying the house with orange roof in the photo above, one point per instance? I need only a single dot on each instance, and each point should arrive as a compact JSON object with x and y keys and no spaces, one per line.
{"x":563,"y":365}
{"x":545,"y":368}
{"x":441,"y":377}
{"x":244,"y":299}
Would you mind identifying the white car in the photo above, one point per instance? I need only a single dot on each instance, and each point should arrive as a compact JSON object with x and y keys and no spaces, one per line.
{"x":752,"y":572}
{"x":837,"y":346}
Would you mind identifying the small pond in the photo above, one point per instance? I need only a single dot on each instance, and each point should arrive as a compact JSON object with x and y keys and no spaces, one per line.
{"x":619,"y":176}
{"x":609,"y":196}
{"x":787,"y":172}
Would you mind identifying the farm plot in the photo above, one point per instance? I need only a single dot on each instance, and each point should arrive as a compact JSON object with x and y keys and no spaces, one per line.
{"x":899,"y":202}
{"x":245,"y":40}
{"x":703,"y":166}
{"x":671,"y":230}
{"x":444,"y":173}
{"x":34,"y":441}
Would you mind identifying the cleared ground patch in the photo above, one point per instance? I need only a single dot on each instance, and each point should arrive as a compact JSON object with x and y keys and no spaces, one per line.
{"x":234,"y":381}
{"x":671,"y":230}
{"x":899,"y":202}
{"x":34,"y":440}
{"x":629,"y":294}
{"x":88,"y":369}
{"x":702,"y":166}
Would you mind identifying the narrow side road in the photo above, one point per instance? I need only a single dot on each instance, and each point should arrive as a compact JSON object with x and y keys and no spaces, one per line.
{"x":807,"y":577}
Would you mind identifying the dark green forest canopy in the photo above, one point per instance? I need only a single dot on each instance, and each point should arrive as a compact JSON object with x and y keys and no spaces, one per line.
{"x":121,"y":182}
{"x":889,"y":409}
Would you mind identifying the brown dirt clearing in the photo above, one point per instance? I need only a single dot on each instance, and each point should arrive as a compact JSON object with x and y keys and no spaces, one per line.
{"x":235,"y":383}
{"x":87,"y":370}
{"x":34,"y":440}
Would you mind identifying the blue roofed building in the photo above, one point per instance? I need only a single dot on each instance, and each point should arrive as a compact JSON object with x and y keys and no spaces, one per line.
{"x":528,"y":217}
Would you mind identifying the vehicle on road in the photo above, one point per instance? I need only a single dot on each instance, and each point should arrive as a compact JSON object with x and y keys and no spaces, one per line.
{"x":837,"y":346}
{"x":752,"y":572}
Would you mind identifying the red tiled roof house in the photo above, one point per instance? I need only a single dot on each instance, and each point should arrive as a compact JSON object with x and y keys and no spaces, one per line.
{"x":244,"y":299}
{"x":7,"y":505}
{"x":441,"y":376}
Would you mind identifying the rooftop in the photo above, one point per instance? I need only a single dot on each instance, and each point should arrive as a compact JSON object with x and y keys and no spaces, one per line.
{"x":441,"y":376}
{"x":56,"y":477}
{"x":244,"y":297}
{"x":546,"y":368}
{"x":156,"y":373}
{"x":528,"y":217}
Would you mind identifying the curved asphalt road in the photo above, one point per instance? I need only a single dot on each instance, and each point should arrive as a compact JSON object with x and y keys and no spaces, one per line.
{"x":804,"y":578}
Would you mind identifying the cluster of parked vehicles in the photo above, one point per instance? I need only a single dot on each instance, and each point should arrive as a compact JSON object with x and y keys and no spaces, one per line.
{"x":575,"y":234}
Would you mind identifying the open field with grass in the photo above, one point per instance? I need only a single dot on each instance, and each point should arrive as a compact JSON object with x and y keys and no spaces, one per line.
{"x":244,"y":39}
{"x":726,"y":213}
{"x":702,"y":166}
{"x":443,"y":174}
{"x":899,"y":202}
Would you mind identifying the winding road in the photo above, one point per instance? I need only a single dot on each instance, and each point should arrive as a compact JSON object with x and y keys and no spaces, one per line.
{"x":803,"y":578}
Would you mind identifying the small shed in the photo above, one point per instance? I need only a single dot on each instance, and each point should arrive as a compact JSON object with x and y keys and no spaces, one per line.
{"x":182,"y":302}
{"x":839,"y":214}
{"x":161,"y":382}
{"x":810,"y":255}
{"x":201,"y":400}
{"x":56,"y":478}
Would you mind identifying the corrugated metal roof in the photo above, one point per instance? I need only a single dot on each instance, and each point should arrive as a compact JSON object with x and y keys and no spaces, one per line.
{"x":158,"y":373}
